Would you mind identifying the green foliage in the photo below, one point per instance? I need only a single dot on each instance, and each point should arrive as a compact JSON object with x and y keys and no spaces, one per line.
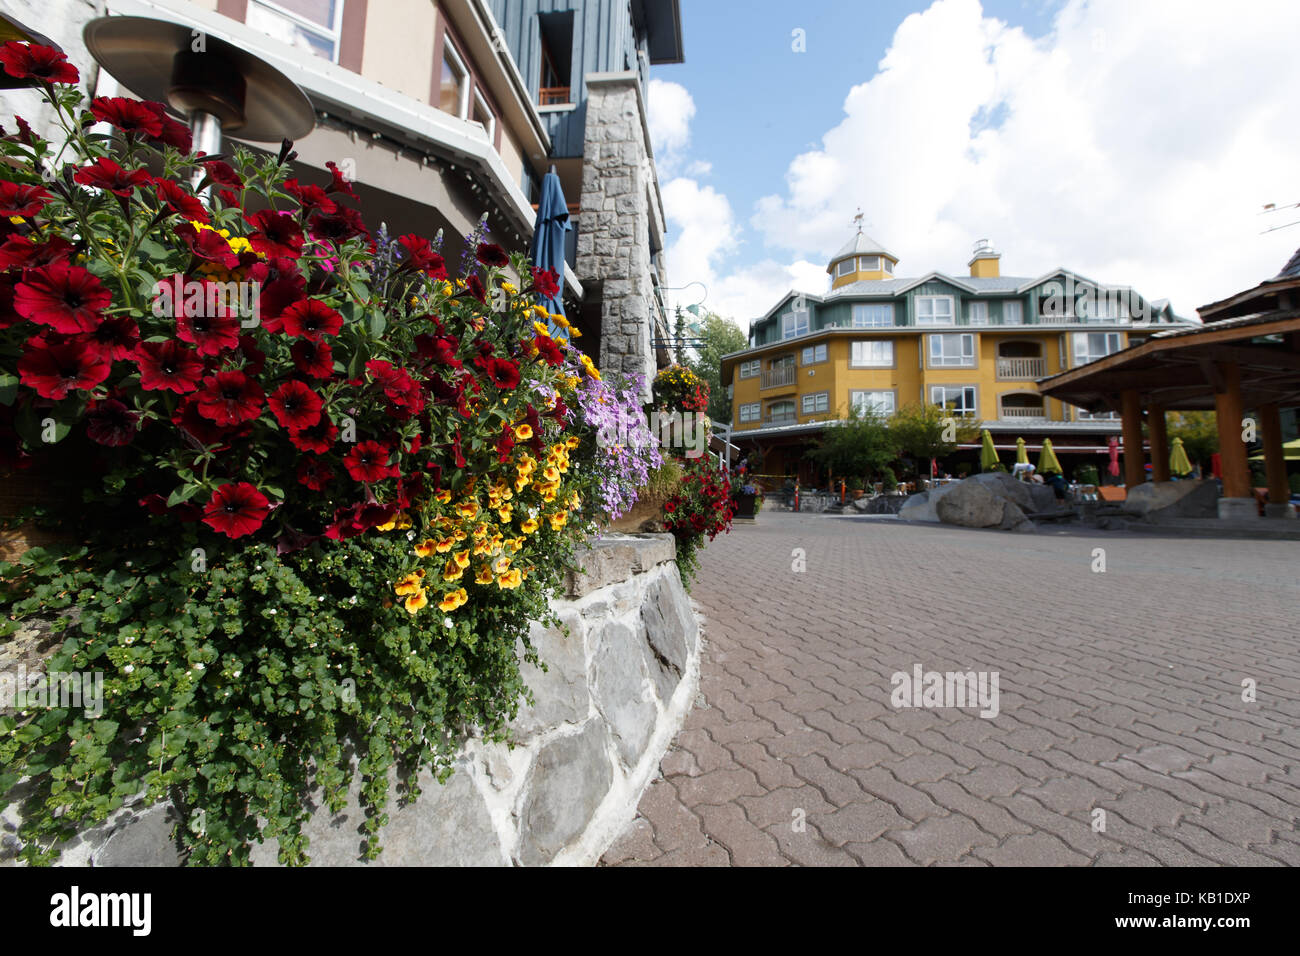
{"x":721,"y":337}
{"x":859,"y":446}
{"x":700,"y":509}
{"x":664,"y":480}
{"x":927,"y":431}
{"x":888,"y":480}
{"x":1087,"y":475}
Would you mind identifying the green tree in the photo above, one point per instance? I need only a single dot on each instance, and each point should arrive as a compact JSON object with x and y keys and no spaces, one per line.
{"x":861,"y":445}
{"x":719,"y":337}
{"x":927,"y":431}
{"x":1199,"y":432}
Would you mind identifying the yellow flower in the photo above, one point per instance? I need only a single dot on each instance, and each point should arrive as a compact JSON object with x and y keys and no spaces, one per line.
{"x":510,"y":580}
{"x":426,"y":547}
{"x":509,"y":288}
{"x":452,"y":571}
{"x":560,"y":320}
{"x":501,"y":565}
{"x":485,"y":575}
{"x":574,"y":332}
{"x":540,"y":310}
{"x":443,"y":497}
{"x":541,"y":329}
{"x":521,"y":483}
{"x":445,"y":545}
{"x":411,"y":584}
{"x":505,"y":512}
{"x":450,"y":601}
{"x":462,"y":559}
{"x":468,"y":509}
{"x":557,"y":520}
{"x":551,"y":473}
{"x":529,"y":526}
{"x":481,"y":532}
{"x":416,"y":601}
{"x":524,"y":432}
{"x":573,"y":442}
{"x":459,"y":535}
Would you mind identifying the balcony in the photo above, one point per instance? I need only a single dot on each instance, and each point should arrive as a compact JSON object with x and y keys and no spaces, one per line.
{"x":553,"y":96}
{"x":1023,"y":412}
{"x":790,"y":419}
{"x":1022,"y":369}
{"x":780,"y":377}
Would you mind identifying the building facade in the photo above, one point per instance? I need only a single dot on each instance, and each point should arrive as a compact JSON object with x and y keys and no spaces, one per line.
{"x":973,"y":344}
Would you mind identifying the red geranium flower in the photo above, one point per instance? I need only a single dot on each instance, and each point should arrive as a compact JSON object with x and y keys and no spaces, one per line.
{"x":111,"y":423}
{"x":294,"y":405}
{"x":312,"y":358}
{"x":236,"y":510}
{"x":420,"y":256}
{"x":311,"y":198}
{"x":207,"y":244}
{"x":490,"y":254}
{"x":277,"y":234}
{"x":546,"y":283}
{"x":173,"y":133}
{"x":19,"y":200}
{"x":368,"y":461}
{"x":311,"y":318}
{"x":549,"y":351}
{"x":66,"y":297}
{"x":503,"y":373}
{"x":20,"y":252}
{"x":314,"y":473}
{"x":130,"y":116}
{"x":177,"y":200}
{"x":168,"y":365}
{"x":31,"y":61}
{"x":230,"y":398}
{"x":106,"y":174}
{"x":116,"y":338}
{"x":338,"y":228}
{"x":340,"y":182}
{"x":54,"y":370}
{"x":318,"y":438}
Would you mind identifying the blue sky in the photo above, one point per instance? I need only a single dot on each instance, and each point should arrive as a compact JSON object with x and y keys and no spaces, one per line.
{"x":764,"y":155}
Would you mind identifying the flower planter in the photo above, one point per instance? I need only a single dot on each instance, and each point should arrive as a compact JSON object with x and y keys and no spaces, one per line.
{"x":744,"y":505}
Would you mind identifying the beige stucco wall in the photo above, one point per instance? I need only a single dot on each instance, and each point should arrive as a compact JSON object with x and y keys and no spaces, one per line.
{"x":398,"y":49}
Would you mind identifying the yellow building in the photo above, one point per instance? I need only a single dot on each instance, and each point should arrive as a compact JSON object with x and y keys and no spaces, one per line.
{"x":975,"y":344}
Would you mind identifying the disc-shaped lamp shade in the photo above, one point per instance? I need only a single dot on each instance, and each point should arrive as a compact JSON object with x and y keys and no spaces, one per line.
{"x":156,"y":59}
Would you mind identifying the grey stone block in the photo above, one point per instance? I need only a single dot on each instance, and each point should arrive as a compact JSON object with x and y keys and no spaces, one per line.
{"x":560,"y":692}
{"x":143,"y":839}
{"x":620,"y":680}
{"x":568,"y":780}
{"x":671,"y":632}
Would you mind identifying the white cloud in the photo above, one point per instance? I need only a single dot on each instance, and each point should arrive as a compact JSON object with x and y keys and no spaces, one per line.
{"x":669,"y":109}
{"x":1135,"y":144}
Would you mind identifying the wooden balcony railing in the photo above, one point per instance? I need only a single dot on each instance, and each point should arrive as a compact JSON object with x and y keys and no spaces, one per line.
{"x":1022,"y":369}
{"x":776,"y":377}
{"x":1022,"y":411}
{"x":553,"y":96}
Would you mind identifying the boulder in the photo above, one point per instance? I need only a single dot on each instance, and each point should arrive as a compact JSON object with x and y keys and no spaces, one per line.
{"x":862,"y":505}
{"x":886,"y":504}
{"x":1162,"y":500}
{"x":918,"y":507}
{"x":970,"y":504}
{"x":1013,"y":519}
{"x":1004,"y":486}
{"x":1043,"y":497}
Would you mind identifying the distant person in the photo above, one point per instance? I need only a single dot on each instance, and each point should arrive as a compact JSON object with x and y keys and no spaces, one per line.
{"x":1057,"y":481}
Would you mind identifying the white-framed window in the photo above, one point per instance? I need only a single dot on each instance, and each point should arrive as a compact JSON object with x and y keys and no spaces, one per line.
{"x":869,"y":263}
{"x":934,"y":310}
{"x":952,"y":351}
{"x":781,"y":413}
{"x":453,"y":90}
{"x":484,"y":116}
{"x":794,"y":324}
{"x":958,"y":399}
{"x":1090,"y":346}
{"x":311,"y":25}
{"x":1013,"y":312}
{"x":887,"y":265}
{"x":884,"y":402}
{"x":813,"y":354}
{"x":816,"y":402}
{"x":873,"y":315}
{"x":872,"y":353}
{"x":751,"y":412}
{"x":750,"y":368}
{"x":844,"y":268}
{"x":977,"y":313}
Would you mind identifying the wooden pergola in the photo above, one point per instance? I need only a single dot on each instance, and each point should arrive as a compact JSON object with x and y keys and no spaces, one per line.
{"x":1244,"y":358}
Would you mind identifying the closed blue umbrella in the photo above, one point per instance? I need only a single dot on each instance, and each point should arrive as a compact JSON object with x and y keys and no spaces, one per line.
{"x":547,"y":251}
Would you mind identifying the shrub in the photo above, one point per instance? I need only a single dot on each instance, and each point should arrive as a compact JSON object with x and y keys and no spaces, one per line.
{"x":1087,"y":475}
{"x":700,"y":510}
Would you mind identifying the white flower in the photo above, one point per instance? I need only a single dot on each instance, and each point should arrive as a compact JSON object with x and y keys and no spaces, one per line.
{"x":353,"y":599}
{"x":447,"y":622}
{"x":271,"y":611}
{"x":321,"y":598}
{"x":130,"y":668}
{"x":198,"y":667}
{"x":410,"y":535}
{"x":130,"y":639}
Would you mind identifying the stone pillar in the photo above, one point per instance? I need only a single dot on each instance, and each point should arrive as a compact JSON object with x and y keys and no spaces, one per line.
{"x":1279,"y":491}
{"x":1159,"y":443}
{"x":1237,"y":501}
{"x":619,"y":198}
{"x":1134,"y":460}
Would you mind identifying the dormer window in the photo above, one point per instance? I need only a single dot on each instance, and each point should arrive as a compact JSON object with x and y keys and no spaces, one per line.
{"x":869,"y":263}
{"x":844,"y":268}
{"x":889,"y":266}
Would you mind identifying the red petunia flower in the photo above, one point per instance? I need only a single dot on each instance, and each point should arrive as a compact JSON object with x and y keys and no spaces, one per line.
{"x":19,"y":200}
{"x":66,"y":297}
{"x":549,"y":351}
{"x":338,"y":228}
{"x":340,"y":183}
{"x":314,"y":473}
{"x":105,"y":174}
{"x":254,"y":358}
{"x":207,"y":244}
{"x":111,"y":423}
{"x":440,"y":349}
{"x":54,"y":370}
{"x":116,"y":338}
{"x":168,"y":366}
{"x":8,"y":317}
{"x":230,"y":398}
{"x":130,"y":116}
{"x":277,"y":234}
{"x":173,"y":133}
{"x":476,"y":289}
{"x":368,"y":461}
{"x":203,"y":432}
{"x":209,"y":334}
{"x":490,"y":254}
{"x":316,"y":439}
{"x":670,"y":505}
{"x":420,"y":256}
{"x":32,"y":61}
{"x":177,"y":201}
{"x":277,"y":295}
{"x":312,"y":358}
{"x":310,"y":318}
{"x":312,"y":199}
{"x":546,"y":283}
{"x":503,"y":373}
{"x":236,"y":510}
{"x":295,"y":405}
{"x":20,"y":252}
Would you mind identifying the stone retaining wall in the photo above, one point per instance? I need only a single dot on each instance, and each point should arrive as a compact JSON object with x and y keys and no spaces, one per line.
{"x":615,"y":693}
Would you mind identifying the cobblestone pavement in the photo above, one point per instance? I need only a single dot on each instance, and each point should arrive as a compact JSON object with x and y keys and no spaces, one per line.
{"x":1119,"y":691}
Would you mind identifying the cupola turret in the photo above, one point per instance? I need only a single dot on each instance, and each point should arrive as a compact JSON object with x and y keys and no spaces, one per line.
{"x":861,"y":258}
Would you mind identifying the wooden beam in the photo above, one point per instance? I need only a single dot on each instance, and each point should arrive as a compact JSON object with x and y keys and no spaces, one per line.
{"x":1232,"y":450}
{"x":1134,"y":460}
{"x":1159,"y":443}
{"x":1270,"y":426}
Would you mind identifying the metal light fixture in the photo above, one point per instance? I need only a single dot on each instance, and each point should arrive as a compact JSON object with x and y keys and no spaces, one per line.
{"x":217,"y":85}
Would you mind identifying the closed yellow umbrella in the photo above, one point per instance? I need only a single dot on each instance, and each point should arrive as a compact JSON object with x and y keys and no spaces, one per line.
{"x":988,"y":454}
{"x":1022,"y":454}
{"x":1047,"y":462}
{"x":1178,"y":461}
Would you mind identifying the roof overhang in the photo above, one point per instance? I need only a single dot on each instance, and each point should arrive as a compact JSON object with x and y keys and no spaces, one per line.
{"x":663,"y":25}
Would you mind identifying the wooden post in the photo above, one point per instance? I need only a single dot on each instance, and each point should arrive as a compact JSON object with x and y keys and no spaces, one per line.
{"x":1134,"y":459}
{"x":1232,"y":450}
{"x":1270,"y":426}
{"x":1159,"y":443}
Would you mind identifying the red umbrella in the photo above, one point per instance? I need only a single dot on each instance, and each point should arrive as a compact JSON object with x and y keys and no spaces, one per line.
{"x":1216,"y":465}
{"x":1114,"y":457}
